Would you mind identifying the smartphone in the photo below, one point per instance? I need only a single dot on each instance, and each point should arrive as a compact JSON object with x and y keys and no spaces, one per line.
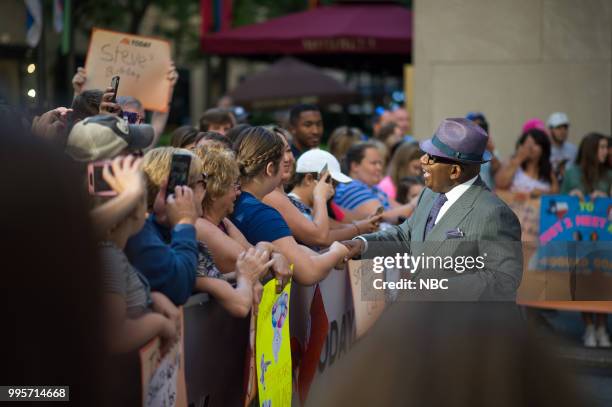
{"x":322,"y":171}
{"x":115,"y":86}
{"x":96,"y":183}
{"x":179,"y":172}
{"x":380,"y":210}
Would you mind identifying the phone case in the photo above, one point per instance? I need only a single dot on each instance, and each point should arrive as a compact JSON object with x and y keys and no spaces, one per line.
{"x":91,"y":182}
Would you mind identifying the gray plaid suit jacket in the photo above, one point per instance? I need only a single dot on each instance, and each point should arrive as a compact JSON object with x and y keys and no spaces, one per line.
{"x":477,"y":223}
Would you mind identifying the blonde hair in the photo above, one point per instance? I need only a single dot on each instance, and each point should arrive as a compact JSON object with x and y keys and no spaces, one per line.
{"x":220,"y":166}
{"x":156,"y":166}
{"x":258,"y":147}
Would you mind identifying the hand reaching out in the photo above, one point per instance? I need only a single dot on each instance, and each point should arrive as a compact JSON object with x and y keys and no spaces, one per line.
{"x":354,"y":248}
{"x":369,"y":224}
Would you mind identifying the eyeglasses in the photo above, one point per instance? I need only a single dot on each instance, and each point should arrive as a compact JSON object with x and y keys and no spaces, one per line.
{"x":434,"y":159}
{"x":203,"y":181}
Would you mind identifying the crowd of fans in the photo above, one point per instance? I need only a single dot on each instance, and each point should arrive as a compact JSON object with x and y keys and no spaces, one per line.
{"x":262,"y":202}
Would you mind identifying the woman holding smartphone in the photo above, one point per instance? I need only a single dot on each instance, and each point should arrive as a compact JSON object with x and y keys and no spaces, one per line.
{"x":259,"y":154}
{"x":362,"y":197}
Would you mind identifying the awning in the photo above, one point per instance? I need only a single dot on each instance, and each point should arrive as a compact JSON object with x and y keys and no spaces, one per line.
{"x":342,"y":28}
{"x":288,"y":82}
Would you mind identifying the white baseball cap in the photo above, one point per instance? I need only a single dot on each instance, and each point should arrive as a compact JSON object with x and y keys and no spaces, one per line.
{"x":315,"y":160}
{"x":557,"y":119}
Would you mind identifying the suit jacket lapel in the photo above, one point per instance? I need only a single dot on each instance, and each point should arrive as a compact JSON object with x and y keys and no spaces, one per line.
{"x":420,"y":219}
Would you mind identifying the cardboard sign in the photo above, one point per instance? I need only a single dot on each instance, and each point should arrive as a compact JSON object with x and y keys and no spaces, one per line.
{"x":527,"y":210}
{"x":367,"y":311}
{"x":142,"y":63}
{"x":163,"y":377}
{"x":159,"y":375}
{"x":272,"y":347}
{"x":536,"y":285}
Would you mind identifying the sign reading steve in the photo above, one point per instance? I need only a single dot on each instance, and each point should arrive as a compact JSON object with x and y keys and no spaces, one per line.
{"x":575,"y":233}
{"x":141,"y":62}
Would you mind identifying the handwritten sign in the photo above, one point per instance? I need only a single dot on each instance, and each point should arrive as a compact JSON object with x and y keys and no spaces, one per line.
{"x":272,"y":347}
{"x":159,"y":375}
{"x":163,"y":376}
{"x":142,"y":63}
{"x":367,"y":310}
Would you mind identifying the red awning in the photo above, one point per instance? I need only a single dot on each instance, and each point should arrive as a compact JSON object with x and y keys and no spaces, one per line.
{"x":348,"y":28}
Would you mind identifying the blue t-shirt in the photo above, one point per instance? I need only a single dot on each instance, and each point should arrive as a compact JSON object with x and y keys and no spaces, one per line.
{"x":168,"y":258}
{"x":257,"y":221}
{"x":356,"y":193}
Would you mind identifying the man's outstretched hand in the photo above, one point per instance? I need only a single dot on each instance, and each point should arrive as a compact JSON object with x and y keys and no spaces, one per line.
{"x":355,"y":248}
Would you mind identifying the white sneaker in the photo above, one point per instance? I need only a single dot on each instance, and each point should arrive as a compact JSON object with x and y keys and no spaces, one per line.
{"x":589,"y":338}
{"x":603,"y":339}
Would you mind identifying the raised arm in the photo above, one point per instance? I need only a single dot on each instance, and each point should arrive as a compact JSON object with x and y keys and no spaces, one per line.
{"x":311,"y":232}
{"x":159,"y":119}
{"x":390,"y":215}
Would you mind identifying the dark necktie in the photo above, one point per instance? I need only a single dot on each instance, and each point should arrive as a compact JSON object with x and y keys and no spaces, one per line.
{"x":433,"y":214}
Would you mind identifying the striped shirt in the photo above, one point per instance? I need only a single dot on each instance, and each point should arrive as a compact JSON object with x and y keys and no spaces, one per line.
{"x":356,"y":193}
{"x":119,"y":277}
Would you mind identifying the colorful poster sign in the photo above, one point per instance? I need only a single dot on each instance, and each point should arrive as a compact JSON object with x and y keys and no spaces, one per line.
{"x":273,"y":348}
{"x":142,"y":63}
{"x":575,"y":234}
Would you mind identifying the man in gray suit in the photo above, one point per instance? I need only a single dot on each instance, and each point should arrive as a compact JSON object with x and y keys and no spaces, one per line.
{"x":458,"y":222}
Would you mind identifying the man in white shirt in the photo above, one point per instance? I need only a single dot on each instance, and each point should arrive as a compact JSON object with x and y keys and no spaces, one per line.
{"x":457,"y":217}
{"x":562,"y":152}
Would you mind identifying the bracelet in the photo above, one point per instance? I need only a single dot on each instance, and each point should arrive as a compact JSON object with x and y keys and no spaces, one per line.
{"x":356,"y":227}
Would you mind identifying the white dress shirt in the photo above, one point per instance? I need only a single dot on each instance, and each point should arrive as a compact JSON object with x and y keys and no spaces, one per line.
{"x":453,"y":195}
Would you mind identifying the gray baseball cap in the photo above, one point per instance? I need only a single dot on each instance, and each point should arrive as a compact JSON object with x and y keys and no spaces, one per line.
{"x":103,"y":137}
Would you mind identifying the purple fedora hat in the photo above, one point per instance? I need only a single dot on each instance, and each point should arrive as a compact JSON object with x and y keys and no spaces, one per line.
{"x":460,"y":140}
